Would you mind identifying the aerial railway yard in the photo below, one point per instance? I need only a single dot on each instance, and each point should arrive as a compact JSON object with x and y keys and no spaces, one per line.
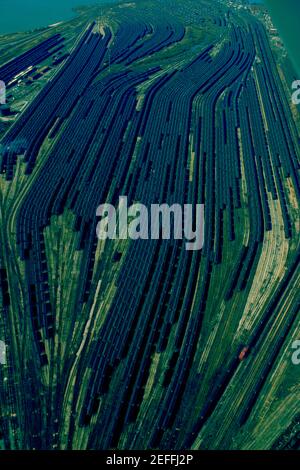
{"x":143,"y":344}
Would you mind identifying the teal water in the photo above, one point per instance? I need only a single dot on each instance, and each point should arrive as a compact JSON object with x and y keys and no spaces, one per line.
{"x":286,"y":16}
{"x":24,"y":15}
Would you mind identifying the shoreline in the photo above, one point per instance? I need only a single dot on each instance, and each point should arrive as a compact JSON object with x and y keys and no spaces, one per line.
{"x":53,"y":25}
